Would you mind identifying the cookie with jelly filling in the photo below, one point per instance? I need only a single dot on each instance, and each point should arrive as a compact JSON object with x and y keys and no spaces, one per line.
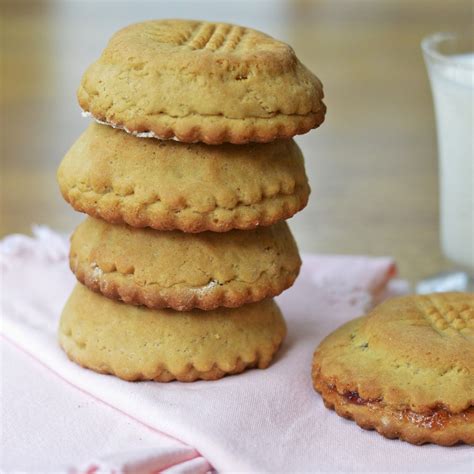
{"x":406,"y":369}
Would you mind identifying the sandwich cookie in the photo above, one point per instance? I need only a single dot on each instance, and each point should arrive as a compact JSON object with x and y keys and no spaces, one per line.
{"x":406,"y":369}
{"x":137,"y":343}
{"x":184,"y":271}
{"x":201,"y":82}
{"x":167,"y":185}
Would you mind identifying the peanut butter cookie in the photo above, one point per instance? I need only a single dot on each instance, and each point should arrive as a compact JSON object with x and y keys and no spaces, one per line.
{"x":167,"y":185}
{"x":406,"y":369}
{"x":137,"y":343}
{"x":205,"y":82}
{"x":184,"y":271}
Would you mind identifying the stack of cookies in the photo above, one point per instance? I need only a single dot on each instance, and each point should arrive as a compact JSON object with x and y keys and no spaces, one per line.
{"x":187,"y":178}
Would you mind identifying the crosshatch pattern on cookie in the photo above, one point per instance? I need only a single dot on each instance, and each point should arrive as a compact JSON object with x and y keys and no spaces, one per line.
{"x":443,"y":315}
{"x":210,"y":36}
{"x":203,"y":36}
{"x":215,"y":37}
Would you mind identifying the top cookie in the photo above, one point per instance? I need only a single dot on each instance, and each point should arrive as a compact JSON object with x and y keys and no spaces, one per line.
{"x":201,"y":82}
{"x":406,"y":369}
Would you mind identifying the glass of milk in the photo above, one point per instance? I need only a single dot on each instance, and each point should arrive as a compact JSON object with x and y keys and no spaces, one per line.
{"x":449,"y":58}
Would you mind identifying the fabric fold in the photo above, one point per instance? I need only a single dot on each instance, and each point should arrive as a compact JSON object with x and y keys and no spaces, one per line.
{"x":262,"y":420}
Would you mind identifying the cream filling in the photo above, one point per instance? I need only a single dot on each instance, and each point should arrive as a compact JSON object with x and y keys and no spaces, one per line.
{"x":149,"y":134}
{"x":204,"y":289}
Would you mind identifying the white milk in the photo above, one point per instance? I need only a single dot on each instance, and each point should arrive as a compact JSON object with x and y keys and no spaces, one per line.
{"x":453,"y":93}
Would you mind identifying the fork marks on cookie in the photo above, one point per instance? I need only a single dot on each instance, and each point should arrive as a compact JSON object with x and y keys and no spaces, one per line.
{"x":216,"y":37}
{"x":208,"y":36}
{"x":234,"y":38}
{"x":443,"y":316}
{"x":176,"y":37}
{"x":203,"y":36}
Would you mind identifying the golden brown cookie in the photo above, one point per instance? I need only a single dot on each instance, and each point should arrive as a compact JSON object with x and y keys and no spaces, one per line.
{"x":174,"y":186}
{"x":137,"y":343}
{"x":406,"y":369}
{"x":184,"y":271}
{"x":201,"y":82}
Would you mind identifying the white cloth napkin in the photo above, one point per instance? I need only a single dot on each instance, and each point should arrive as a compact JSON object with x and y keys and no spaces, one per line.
{"x":265,"y":421}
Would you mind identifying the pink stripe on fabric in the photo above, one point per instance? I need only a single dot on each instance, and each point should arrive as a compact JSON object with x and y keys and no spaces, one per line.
{"x":91,"y":470}
{"x":169,"y":465}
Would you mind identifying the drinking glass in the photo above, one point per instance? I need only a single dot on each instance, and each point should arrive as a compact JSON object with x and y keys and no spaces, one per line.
{"x":449,"y":58}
